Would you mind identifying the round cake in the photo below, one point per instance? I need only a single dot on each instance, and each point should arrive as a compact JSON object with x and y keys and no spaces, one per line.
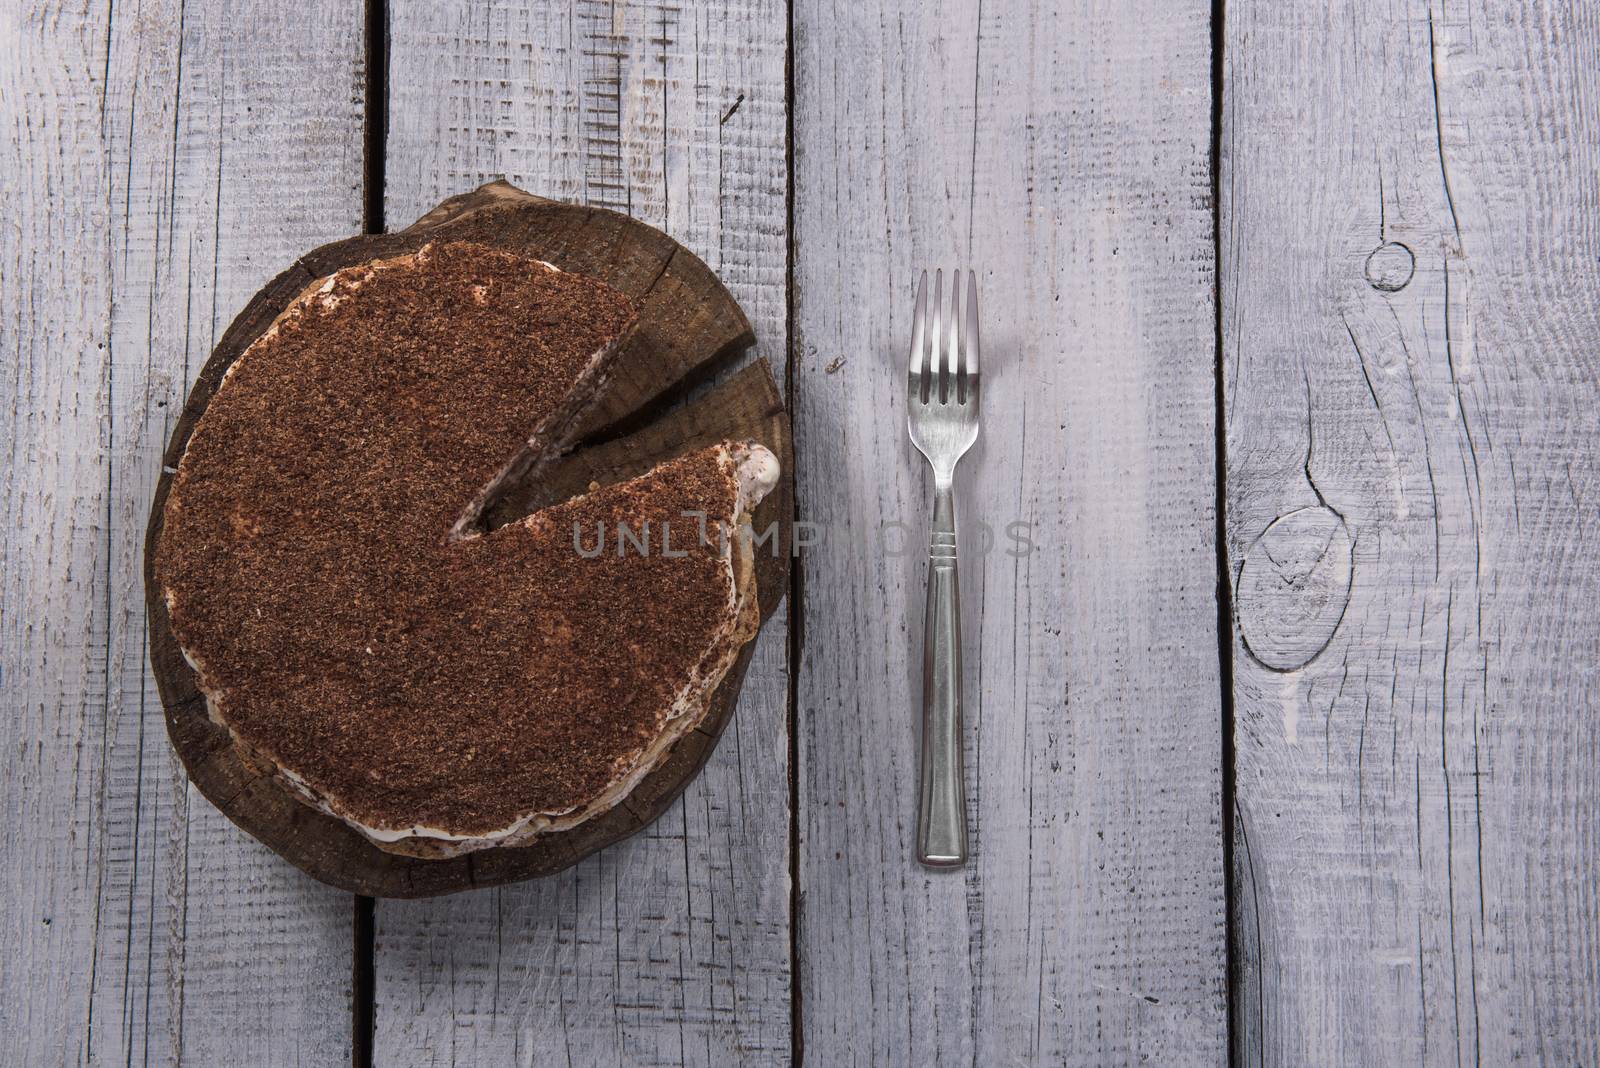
{"x":439,"y":686}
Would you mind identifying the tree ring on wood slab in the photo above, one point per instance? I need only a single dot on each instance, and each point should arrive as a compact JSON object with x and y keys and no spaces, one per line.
{"x":1294,"y":586}
{"x":689,"y":326}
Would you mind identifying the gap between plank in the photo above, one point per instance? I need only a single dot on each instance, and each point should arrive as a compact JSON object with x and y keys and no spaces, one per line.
{"x":362,"y":986}
{"x":375,"y":128}
{"x":796,"y":568}
{"x":1224,"y":585}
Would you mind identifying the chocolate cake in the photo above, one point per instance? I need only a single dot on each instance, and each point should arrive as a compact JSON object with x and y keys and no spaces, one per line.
{"x":439,"y":686}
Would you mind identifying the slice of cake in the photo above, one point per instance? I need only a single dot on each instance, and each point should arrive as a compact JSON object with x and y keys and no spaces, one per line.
{"x":439,"y":687}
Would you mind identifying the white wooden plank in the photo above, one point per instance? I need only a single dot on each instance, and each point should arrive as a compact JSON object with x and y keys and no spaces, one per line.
{"x":672,"y":948}
{"x":1063,"y":151}
{"x":161,"y":161}
{"x":1409,"y":294}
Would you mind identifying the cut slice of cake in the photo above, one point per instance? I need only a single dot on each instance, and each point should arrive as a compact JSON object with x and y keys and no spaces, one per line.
{"x":438,"y":687}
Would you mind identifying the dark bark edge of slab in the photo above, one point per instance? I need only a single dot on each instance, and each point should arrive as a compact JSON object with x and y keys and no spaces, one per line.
{"x":689,"y":324}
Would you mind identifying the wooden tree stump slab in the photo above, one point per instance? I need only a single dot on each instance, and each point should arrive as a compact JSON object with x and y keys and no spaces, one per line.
{"x":689,"y":325}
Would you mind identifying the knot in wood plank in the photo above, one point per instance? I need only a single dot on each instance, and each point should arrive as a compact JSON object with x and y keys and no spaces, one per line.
{"x":1293,"y":587}
{"x":1390,"y":266}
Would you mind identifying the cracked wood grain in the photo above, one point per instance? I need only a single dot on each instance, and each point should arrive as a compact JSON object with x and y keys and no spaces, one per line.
{"x":155,"y":173}
{"x":1063,"y":151}
{"x":1405,"y":270}
{"x":673,"y":947}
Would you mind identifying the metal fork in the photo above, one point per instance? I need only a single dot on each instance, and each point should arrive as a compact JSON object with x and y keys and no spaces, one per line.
{"x":942,"y":415}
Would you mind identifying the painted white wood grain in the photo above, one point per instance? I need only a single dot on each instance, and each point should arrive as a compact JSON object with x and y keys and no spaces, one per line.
{"x":1410,"y":295}
{"x":672,"y":948}
{"x":160,"y":162}
{"x":1062,"y":150}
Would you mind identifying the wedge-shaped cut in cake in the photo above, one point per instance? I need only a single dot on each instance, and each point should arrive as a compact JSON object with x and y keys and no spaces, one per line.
{"x":440,"y":687}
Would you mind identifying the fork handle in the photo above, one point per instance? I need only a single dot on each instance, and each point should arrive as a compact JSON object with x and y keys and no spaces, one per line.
{"x":942,"y":813}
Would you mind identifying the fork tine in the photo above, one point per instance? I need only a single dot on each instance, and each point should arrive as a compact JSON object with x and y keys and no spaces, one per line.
{"x":953,"y":359}
{"x":918,"y":335}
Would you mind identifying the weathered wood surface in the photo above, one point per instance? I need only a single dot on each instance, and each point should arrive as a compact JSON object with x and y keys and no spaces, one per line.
{"x":158,"y":163}
{"x":686,"y":318}
{"x":1410,"y":312}
{"x":673,"y":947}
{"x":1062,"y":151}
{"x":1410,"y":463}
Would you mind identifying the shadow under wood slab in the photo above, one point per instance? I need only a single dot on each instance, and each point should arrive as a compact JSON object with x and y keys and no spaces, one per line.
{"x":688,"y":324}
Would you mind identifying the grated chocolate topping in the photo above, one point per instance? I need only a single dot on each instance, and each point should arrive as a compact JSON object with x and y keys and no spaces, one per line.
{"x":409,"y":677}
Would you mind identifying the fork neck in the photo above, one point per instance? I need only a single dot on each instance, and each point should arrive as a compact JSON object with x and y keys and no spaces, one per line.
{"x":944,"y":506}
